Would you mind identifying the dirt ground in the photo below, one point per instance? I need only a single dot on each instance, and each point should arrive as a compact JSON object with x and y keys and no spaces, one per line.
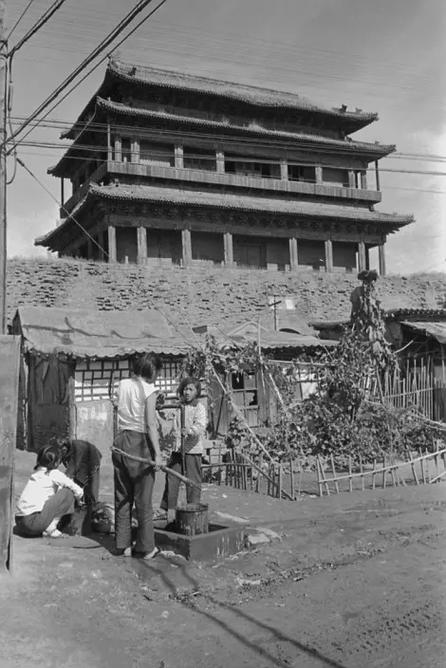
{"x":355,"y":579}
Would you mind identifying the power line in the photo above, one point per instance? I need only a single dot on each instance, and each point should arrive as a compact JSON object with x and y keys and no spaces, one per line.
{"x":101,"y":127}
{"x":70,"y":215}
{"x":88,"y":151}
{"x":39,"y":24}
{"x":96,"y":51}
{"x":19,"y":19}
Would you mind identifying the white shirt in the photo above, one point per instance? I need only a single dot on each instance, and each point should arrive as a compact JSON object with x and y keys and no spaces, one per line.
{"x":131,"y":397}
{"x":41,"y":486}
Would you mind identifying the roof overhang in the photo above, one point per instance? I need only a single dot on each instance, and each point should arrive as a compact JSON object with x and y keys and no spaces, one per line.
{"x":255,"y":96}
{"x":228,"y":202}
{"x":435,"y":330}
{"x":85,"y":333}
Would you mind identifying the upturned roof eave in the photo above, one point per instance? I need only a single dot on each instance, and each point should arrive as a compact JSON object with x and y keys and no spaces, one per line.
{"x":357,"y":119}
{"x":373,"y":151}
{"x":99,"y":192}
{"x":117,"y":70}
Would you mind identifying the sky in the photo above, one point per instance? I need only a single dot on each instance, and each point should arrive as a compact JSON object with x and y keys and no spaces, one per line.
{"x":385,"y":56}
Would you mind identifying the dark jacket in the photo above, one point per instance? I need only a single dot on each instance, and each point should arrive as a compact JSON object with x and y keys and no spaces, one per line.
{"x":82,"y":460}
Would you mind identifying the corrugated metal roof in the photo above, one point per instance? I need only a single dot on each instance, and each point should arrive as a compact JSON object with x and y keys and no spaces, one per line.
{"x":252,"y":331}
{"x":435,"y":329}
{"x":87,"y":333}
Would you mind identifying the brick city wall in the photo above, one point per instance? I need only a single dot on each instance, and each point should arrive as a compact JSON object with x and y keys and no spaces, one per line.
{"x":203,"y":293}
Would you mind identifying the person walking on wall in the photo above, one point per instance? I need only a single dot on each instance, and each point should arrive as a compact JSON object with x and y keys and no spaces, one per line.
{"x":138,"y":436}
{"x":190,"y":429}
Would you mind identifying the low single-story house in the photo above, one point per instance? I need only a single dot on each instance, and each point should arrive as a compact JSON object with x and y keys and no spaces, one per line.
{"x":73,"y":359}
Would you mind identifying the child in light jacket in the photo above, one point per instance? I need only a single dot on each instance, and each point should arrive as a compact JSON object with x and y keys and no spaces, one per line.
{"x":48,"y":496}
{"x":190,"y":429}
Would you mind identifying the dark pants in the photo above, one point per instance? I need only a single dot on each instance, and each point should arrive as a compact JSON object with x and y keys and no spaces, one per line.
{"x":192,"y":466}
{"x":90,"y":486}
{"x":58,"y":505}
{"x":133,"y":484}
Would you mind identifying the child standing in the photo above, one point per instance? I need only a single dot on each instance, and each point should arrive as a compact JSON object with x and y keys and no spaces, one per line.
{"x":190,"y":429}
{"x":48,"y":495}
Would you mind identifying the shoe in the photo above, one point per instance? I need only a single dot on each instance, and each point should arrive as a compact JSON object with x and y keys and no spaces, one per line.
{"x":123,"y":552}
{"x":54,"y":534}
{"x":150,"y":555}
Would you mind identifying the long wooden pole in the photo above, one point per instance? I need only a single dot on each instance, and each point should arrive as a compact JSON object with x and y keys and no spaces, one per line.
{"x":150,"y":462}
{"x":3,"y":219}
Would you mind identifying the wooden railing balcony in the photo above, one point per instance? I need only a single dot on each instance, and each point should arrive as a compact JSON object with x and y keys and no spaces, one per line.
{"x":197,"y":176}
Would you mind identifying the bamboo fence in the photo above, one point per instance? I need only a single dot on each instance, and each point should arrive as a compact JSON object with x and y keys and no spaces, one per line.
{"x":287,"y":479}
{"x":426,"y":467}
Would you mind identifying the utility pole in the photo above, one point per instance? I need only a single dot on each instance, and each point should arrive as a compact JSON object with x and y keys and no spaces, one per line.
{"x":3,"y":98}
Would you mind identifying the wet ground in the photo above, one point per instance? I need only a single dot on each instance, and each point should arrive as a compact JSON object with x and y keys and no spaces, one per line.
{"x":350,"y":580}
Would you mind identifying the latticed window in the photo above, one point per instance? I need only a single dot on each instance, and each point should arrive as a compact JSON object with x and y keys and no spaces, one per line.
{"x":97,"y":380}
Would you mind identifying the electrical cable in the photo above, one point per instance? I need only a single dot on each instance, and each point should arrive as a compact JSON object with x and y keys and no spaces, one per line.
{"x":141,"y":5}
{"x":84,"y":150}
{"x":71,"y":217}
{"x":102,"y":128}
{"x":19,"y":19}
{"x":39,"y":24}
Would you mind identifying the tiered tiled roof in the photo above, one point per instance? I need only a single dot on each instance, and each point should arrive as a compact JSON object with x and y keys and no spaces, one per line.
{"x":228,"y":201}
{"x":367,"y":150}
{"x":255,"y":96}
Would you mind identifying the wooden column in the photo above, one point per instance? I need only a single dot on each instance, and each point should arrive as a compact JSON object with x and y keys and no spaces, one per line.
{"x":382,"y":259}
{"x":362,"y":262}
{"x":112,"y":250}
{"x":328,"y":255}
{"x":186,"y":243}
{"x":284,"y":170}
{"x":318,"y":171}
{"x":118,"y":149}
{"x":294,"y":255}
{"x":228,"y":249}
{"x":220,"y":158}
{"x":351,"y":179}
{"x":377,"y":175}
{"x":179,"y":157}
{"x":141,"y":237}
{"x":364,"y":180}
{"x":62,"y":191}
{"x":109,"y":143}
{"x":134,"y":150}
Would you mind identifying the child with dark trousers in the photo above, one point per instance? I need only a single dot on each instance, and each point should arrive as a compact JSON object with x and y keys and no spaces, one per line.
{"x":190,"y":428}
